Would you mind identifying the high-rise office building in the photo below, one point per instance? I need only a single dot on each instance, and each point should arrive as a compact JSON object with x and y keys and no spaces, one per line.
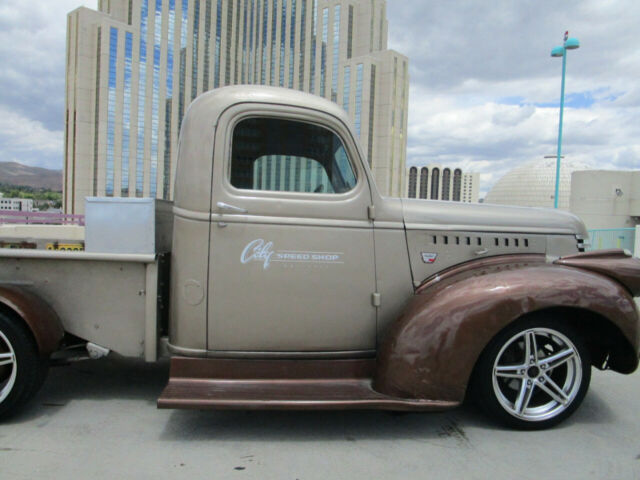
{"x":436,"y":182}
{"x":133,"y":67}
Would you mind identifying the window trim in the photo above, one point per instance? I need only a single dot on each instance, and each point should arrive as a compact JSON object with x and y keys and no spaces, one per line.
{"x":297,"y":115}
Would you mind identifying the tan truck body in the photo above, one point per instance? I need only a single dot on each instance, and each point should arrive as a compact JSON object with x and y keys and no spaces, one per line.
{"x":330,"y":289}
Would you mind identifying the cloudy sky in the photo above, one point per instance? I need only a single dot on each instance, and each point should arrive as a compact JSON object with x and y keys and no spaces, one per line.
{"x":484,"y":90}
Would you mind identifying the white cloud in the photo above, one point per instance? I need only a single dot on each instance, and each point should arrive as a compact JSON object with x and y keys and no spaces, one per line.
{"x":32,"y":55}
{"x":28,"y":141}
{"x":478,"y":71}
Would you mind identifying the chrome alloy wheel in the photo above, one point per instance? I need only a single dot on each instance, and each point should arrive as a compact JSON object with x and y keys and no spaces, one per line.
{"x":8,"y":367}
{"x":537,"y":374}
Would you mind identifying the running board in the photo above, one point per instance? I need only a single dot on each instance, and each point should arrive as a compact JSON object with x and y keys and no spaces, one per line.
{"x":280,"y":385}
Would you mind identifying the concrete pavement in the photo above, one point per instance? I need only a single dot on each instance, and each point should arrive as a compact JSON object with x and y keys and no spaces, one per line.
{"x":98,"y":420}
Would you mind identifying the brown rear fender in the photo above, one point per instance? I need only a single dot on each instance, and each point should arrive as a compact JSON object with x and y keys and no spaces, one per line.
{"x":431,"y":350}
{"x":36,"y":314}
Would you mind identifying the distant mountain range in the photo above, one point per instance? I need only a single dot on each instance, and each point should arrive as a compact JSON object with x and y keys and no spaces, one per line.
{"x":13,"y":173}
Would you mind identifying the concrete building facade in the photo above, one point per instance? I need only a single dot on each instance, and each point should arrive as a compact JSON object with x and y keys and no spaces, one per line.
{"x":133,"y":67}
{"x":436,"y":182}
{"x":16,"y":204}
{"x":606,"y":199}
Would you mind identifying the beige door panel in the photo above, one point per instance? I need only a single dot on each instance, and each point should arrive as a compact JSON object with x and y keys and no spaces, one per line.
{"x":291,"y":288}
{"x":290,"y":271}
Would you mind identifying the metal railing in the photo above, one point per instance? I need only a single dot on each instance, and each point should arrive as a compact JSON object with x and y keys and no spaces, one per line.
{"x":612,"y":238}
{"x":40,"y":218}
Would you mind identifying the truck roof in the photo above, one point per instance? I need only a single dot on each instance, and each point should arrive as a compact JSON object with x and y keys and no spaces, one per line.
{"x":214,"y":102}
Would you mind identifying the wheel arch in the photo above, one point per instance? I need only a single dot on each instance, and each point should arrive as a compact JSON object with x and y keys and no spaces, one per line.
{"x":41,"y":320}
{"x":607,"y":344}
{"x":431,"y":350}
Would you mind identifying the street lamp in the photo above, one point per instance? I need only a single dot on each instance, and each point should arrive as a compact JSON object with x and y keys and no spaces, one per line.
{"x":569,"y":44}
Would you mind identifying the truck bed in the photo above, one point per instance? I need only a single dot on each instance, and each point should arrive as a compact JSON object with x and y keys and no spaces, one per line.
{"x":108,"y":299}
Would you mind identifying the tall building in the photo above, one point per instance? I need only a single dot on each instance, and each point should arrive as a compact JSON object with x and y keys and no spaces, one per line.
{"x":134,"y":66}
{"x":436,"y":182}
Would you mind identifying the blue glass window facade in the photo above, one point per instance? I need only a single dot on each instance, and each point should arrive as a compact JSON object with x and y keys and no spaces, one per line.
{"x":265,"y":16}
{"x":323,"y":52}
{"x":251,"y":44}
{"x":314,"y":34}
{"x":216,"y":71}
{"x":194,"y":52}
{"x":336,"y":52}
{"x":372,"y":95}
{"x":111,"y":108}
{"x":207,"y":46}
{"x":126,"y":114}
{"x":283,"y":40}
{"x":183,"y":59}
{"x":142,"y":86}
{"x":303,"y":29}
{"x":292,"y":42}
{"x":168,"y":141}
{"x":274,"y":23}
{"x":155,"y":99}
{"x":170,"y":44}
{"x":346,"y":89}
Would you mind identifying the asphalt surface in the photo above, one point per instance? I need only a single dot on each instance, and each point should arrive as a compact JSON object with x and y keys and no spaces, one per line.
{"x":98,"y":420}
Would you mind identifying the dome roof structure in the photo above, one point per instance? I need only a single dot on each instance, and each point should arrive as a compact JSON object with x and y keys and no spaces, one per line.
{"x":532,"y":184}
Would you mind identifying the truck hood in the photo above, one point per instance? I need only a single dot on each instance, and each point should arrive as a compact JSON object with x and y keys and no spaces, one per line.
{"x":439,"y":215}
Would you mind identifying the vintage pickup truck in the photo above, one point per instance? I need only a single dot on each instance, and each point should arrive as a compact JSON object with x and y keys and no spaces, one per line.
{"x":287,"y":281}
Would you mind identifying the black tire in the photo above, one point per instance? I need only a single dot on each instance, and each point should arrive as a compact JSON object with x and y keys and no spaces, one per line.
{"x":22,"y":377}
{"x":553,"y":389}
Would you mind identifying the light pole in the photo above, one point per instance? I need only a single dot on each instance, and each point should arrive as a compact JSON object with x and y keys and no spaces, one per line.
{"x":568,"y":44}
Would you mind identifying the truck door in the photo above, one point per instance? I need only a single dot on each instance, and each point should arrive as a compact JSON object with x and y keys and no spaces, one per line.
{"x":291,"y":245}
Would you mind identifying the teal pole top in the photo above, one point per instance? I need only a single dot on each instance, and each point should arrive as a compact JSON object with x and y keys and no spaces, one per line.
{"x":568,"y":44}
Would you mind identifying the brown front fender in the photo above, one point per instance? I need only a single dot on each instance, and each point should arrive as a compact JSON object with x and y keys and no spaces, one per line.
{"x":37,"y":315}
{"x":431,"y":350}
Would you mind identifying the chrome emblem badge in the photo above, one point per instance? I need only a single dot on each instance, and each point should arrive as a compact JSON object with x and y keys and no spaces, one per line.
{"x":429,"y":257}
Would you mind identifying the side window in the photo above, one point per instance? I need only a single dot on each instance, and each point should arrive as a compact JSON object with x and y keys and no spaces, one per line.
{"x":289,"y":156}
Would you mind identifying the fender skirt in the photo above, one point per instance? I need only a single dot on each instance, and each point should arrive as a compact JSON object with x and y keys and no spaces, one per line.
{"x":40,"y":318}
{"x":431,"y":350}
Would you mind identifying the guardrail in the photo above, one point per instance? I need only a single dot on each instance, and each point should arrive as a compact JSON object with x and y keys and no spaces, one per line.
{"x":613,"y":238}
{"x":40,"y":218}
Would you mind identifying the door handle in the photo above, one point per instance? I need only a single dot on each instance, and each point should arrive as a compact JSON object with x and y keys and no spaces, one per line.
{"x":230,"y":208}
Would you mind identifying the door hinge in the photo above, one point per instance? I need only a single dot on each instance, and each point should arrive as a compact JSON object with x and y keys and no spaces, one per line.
{"x":375,"y":299}
{"x":371,"y":210}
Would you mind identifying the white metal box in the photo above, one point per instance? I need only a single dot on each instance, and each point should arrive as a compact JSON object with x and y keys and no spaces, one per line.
{"x":127,"y":225}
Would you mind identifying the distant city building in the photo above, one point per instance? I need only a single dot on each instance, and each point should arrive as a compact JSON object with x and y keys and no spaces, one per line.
{"x":606,"y":199}
{"x":532,"y":184}
{"x":436,"y":182}
{"x":16,"y":204}
{"x":134,"y":66}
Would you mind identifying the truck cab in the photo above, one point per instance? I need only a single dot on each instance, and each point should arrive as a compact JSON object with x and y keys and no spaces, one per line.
{"x":282,"y":213}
